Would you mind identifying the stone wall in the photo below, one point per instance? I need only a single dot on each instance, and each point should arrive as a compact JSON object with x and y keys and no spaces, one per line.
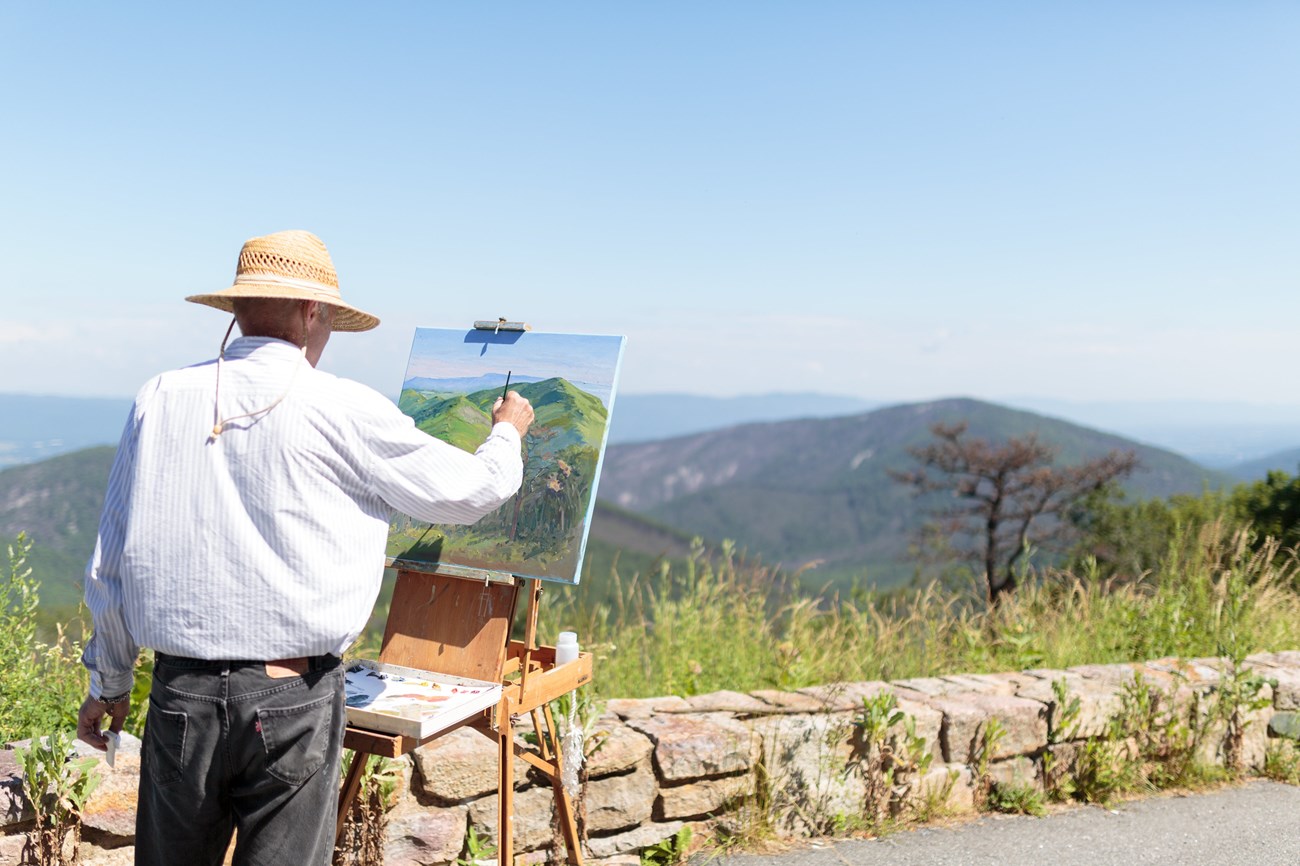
{"x":665,"y":763}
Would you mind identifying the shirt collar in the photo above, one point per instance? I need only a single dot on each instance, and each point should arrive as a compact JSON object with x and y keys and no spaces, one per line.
{"x":263,"y":347}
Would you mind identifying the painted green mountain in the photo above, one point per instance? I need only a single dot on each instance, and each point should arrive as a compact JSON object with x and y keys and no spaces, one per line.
{"x":539,"y":532}
{"x":570,"y":415}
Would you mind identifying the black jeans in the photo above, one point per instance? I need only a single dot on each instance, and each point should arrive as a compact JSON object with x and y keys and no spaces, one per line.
{"x":227,"y":747}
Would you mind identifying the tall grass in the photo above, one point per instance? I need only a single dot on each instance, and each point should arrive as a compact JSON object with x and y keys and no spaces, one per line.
{"x":723,"y":623}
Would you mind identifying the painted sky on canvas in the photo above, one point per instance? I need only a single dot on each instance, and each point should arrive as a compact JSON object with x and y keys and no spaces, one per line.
{"x":890,"y":200}
{"x":440,"y":353}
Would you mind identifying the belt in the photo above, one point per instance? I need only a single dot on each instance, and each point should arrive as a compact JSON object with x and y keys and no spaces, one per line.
{"x":309,"y":664}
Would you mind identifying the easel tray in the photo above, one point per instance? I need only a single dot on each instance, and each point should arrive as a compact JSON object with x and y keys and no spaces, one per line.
{"x":411,"y":702}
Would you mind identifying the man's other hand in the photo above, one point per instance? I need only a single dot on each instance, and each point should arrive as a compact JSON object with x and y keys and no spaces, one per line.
{"x":515,"y":410}
{"x":92,"y":715}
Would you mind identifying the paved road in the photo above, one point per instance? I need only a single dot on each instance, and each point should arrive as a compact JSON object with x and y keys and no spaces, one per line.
{"x":1257,"y":824}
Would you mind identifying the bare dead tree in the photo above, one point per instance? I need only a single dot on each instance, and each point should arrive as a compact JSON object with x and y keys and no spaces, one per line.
{"x":1005,"y":496}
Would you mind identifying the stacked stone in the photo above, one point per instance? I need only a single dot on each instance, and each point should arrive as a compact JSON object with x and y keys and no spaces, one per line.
{"x":666,"y":763}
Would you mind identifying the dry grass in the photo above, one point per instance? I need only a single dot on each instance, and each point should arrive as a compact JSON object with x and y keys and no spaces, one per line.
{"x":721,"y":623}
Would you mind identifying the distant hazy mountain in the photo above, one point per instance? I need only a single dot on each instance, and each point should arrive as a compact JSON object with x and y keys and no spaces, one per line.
{"x":645,"y":417}
{"x":1218,"y":434}
{"x":35,"y":427}
{"x":818,"y":490}
{"x":1253,"y":470}
{"x":465,"y":384}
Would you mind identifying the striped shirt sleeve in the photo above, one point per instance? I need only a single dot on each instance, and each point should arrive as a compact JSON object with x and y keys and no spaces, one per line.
{"x":111,"y":653}
{"x":431,"y":480}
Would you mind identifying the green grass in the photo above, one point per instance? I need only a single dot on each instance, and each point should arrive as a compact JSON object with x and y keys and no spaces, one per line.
{"x":718,"y":622}
{"x":714,"y":621}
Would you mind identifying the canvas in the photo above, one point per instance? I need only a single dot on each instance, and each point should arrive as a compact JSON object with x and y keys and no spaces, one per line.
{"x":452,"y":380}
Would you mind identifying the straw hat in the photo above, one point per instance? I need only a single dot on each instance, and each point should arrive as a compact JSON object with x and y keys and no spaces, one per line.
{"x":293,"y":264}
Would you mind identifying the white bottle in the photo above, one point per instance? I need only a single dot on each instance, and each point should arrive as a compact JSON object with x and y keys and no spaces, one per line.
{"x":566,"y":648}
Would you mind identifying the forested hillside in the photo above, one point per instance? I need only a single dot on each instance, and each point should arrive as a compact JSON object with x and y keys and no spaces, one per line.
{"x":819,"y":491}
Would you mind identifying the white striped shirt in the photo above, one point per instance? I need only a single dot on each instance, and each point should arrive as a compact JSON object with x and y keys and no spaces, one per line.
{"x":268,"y":541}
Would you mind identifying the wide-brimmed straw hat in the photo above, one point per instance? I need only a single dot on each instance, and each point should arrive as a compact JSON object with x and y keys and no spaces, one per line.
{"x":295,"y":265}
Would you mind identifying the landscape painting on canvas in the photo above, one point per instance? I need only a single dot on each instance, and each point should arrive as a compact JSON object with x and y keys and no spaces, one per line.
{"x":452,"y":380}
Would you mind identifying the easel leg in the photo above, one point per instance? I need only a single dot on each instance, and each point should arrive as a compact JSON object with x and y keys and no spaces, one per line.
{"x":544,"y":742}
{"x":563,"y":805}
{"x":348,"y":795}
{"x":506,"y":795}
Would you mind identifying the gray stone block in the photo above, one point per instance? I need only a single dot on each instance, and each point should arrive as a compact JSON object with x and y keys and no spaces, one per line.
{"x":460,"y":765}
{"x":1018,"y":772}
{"x":534,"y":812}
{"x":693,"y":747}
{"x":618,"y":802}
{"x":620,"y":749}
{"x":1099,"y":701}
{"x":703,"y":798}
{"x":1285,"y":725}
{"x":632,"y":841}
{"x":644,"y":708}
{"x":965,"y":717}
{"x":951,"y":785}
{"x":418,"y":836}
{"x":789,"y":701}
{"x":727,"y":702}
{"x":985,"y":684}
{"x":811,"y":769}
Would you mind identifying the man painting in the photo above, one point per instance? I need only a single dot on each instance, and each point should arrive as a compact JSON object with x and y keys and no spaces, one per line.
{"x":242,"y":540}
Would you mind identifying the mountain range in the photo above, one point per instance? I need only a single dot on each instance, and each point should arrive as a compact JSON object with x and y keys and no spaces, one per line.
{"x":794,"y":492}
{"x":818,"y":490}
{"x":464,"y":385}
{"x":1243,"y":439}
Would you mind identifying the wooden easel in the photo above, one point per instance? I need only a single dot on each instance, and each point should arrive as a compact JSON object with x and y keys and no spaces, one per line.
{"x":457,"y":621}
{"x":459,"y":624}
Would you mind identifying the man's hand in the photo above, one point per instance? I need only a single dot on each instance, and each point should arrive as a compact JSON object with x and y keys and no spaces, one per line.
{"x":92,"y":715}
{"x":515,"y":410}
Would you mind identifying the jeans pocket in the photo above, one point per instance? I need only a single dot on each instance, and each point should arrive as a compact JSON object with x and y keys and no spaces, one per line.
{"x":297,"y":739}
{"x":165,"y":743}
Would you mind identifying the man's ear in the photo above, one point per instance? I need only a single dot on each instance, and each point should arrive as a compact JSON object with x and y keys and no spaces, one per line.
{"x":311,"y":310}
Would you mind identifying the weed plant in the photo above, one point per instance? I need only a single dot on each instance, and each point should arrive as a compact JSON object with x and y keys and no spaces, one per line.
{"x":41,"y":684}
{"x":723,"y":622}
{"x":57,"y":784}
{"x":1282,"y":762}
{"x":362,"y":841}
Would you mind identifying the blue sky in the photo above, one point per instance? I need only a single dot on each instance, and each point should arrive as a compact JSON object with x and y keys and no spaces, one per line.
{"x":895,"y":201}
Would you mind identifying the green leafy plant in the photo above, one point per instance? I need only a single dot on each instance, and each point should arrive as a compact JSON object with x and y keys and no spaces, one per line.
{"x":879,"y":713}
{"x":477,"y":849}
{"x":668,"y":852}
{"x":1153,"y":742}
{"x":932,"y":802}
{"x":41,"y":684}
{"x":1241,"y":693}
{"x":1282,"y":762}
{"x":1065,"y":721}
{"x":58,"y":786}
{"x":1058,"y":774}
{"x":1016,"y":800}
{"x":990,"y":735}
{"x":1103,"y":769}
